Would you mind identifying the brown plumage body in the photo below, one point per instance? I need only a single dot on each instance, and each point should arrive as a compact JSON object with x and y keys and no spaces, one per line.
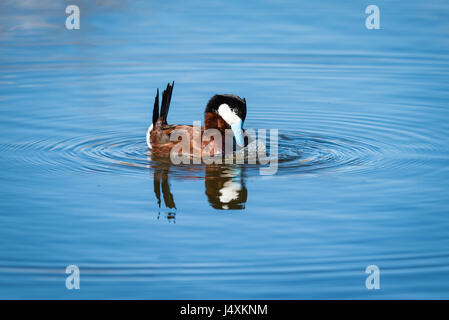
{"x":161,"y":133}
{"x":159,"y":136}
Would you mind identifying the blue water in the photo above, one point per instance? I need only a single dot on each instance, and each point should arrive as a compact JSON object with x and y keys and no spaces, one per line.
{"x":363,"y":120}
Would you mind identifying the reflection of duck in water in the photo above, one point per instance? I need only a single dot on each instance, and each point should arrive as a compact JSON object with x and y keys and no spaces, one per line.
{"x":223,"y":111}
{"x":225,"y":187}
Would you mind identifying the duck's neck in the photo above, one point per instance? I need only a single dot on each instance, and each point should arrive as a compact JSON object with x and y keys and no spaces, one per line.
{"x":214,"y":121}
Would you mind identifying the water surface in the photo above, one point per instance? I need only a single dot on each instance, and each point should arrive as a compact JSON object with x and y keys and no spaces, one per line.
{"x":363,"y":146}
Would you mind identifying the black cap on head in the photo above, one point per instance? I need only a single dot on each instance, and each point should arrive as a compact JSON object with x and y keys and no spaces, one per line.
{"x":235,"y":103}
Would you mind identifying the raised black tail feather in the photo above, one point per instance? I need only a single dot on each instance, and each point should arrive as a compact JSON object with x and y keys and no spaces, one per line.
{"x":156,"y":108}
{"x":165,"y":105}
{"x":166,"y":98}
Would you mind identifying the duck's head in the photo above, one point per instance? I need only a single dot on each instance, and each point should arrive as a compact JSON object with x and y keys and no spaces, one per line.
{"x":226,"y":111}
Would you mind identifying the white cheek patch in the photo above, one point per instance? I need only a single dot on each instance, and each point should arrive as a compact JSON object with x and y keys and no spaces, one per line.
{"x":228,"y":115}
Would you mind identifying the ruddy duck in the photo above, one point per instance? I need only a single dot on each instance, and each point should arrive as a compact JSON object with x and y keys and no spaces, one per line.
{"x":223,"y":111}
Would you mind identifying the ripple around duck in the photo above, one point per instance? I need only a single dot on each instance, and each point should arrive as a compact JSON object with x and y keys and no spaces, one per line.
{"x":298,"y":152}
